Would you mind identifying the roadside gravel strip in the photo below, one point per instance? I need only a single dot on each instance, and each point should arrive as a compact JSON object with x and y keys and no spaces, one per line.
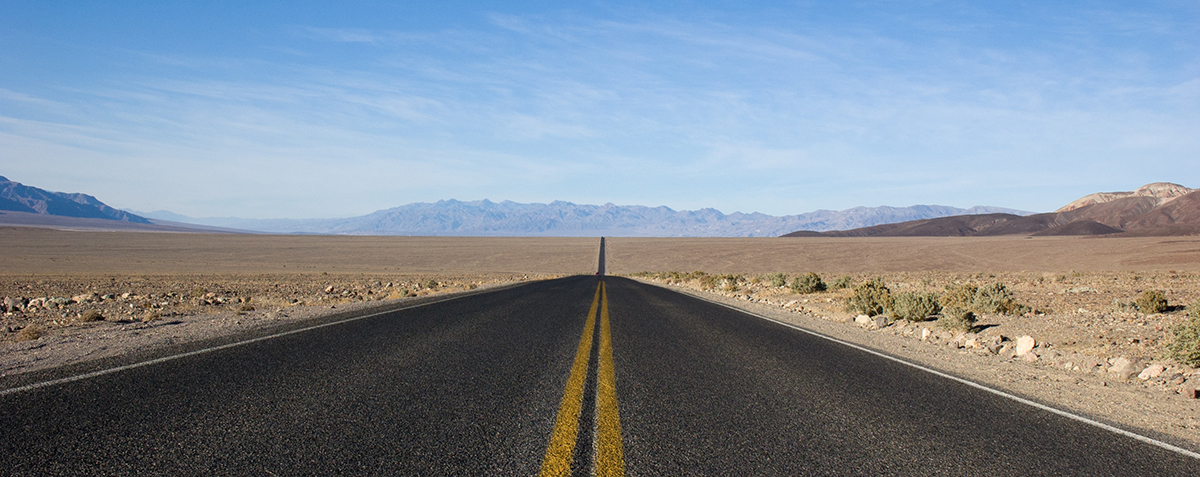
{"x":1102,"y":407}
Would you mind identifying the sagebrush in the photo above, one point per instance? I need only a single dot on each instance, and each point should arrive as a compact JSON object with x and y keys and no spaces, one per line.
{"x":1185,"y":348}
{"x":915,"y":306}
{"x":957,"y":319}
{"x":870,"y":298}
{"x":808,"y":283}
{"x":1152,"y":301}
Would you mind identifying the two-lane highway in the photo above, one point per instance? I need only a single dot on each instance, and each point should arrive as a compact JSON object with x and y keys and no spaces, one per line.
{"x":579,"y":375}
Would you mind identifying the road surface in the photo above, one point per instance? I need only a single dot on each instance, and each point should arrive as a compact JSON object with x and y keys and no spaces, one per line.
{"x":581,"y":375}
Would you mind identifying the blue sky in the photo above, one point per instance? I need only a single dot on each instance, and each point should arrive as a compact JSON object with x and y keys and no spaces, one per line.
{"x":307,"y":109}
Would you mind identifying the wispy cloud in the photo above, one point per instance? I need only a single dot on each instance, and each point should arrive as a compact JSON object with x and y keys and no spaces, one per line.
{"x":660,"y":108}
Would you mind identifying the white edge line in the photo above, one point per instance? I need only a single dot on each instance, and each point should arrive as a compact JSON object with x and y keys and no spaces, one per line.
{"x":102,"y":372}
{"x":973,"y":384}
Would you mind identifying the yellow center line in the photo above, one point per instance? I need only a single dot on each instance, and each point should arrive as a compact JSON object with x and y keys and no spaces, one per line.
{"x":610,"y":455}
{"x":566,"y":426}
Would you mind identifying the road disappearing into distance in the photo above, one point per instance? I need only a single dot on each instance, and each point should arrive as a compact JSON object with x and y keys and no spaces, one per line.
{"x":584,"y":375}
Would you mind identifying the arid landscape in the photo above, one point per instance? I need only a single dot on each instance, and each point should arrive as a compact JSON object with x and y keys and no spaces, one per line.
{"x":75,"y":296}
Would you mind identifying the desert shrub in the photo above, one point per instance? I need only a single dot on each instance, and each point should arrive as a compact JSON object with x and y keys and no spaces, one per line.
{"x":731,"y":281}
{"x":708,"y":282}
{"x":92,"y":315}
{"x":990,"y":298}
{"x":996,"y":298}
{"x":956,"y":319}
{"x":959,"y":297}
{"x":915,"y":306}
{"x":808,"y":283}
{"x":1152,"y":301}
{"x":29,"y":333}
{"x":870,"y":298}
{"x":1185,"y":348}
{"x":1193,"y":310}
{"x":841,"y":282}
{"x":777,"y":280}
{"x":431,"y":283}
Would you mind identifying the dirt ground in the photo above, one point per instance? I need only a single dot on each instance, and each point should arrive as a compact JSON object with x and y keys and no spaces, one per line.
{"x":156,"y":289}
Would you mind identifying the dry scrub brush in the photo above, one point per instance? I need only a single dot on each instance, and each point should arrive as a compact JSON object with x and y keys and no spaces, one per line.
{"x":915,"y":306}
{"x":871,"y":298}
{"x":808,"y":283}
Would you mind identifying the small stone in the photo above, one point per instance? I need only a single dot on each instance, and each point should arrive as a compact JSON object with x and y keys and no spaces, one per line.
{"x":1177,"y":380}
{"x":1025,"y":344}
{"x":1029,"y":357}
{"x":1190,"y":393}
{"x":881,"y":321}
{"x":925,"y":334}
{"x":1152,"y":371}
{"x":1123,"y":368}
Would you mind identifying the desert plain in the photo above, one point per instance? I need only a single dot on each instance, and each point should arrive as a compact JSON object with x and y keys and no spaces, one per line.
{"x":88,"y":295}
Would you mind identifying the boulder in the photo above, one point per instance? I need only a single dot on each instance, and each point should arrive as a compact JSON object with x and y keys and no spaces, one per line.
{"x":881,"y":321}
{"x":862,"y":320}
{"x":1025,"y":344}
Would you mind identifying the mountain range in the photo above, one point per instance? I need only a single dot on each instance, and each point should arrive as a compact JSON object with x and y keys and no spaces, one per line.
{"x":18,"y":197}
{"x":1160,"y":208}
{"x":559,"y":218}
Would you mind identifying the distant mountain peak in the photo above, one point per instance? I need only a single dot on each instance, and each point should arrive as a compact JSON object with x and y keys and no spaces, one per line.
{"x":18,"y":197}
{"x":1163,"y":191}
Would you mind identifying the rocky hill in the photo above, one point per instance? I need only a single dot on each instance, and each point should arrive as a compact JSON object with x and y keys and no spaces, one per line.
{"x":1160,"y":208}
{"x":559,"y":218}
{"x":17,"y":197}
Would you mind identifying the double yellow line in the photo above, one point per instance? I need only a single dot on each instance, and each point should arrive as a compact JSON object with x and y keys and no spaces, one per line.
{"x":609,"y":453}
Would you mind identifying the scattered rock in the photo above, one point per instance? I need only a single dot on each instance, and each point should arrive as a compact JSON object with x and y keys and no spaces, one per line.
{"x":1123,"y":368}
{"x":1029,"y":357}
{"x":862,"y":320}
{"x":1152,"y":371}
{"x":925,"y":334}
{"x":993,"y":344}
{"x":1025,"y":344}
{"x":881,"y":322}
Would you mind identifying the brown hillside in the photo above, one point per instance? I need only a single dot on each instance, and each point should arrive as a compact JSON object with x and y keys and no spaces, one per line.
{"x":1159,"y":209}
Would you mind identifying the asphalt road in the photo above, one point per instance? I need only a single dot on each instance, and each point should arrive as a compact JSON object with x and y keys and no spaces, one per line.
{"x":664,"y":384}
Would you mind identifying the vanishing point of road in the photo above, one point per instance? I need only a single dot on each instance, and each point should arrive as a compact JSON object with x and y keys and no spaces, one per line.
{"x":585,"y":375}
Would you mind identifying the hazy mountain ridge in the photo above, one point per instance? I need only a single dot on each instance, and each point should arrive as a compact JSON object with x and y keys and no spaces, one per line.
{"x":18,"y":197}
{"x":560,"y":218}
